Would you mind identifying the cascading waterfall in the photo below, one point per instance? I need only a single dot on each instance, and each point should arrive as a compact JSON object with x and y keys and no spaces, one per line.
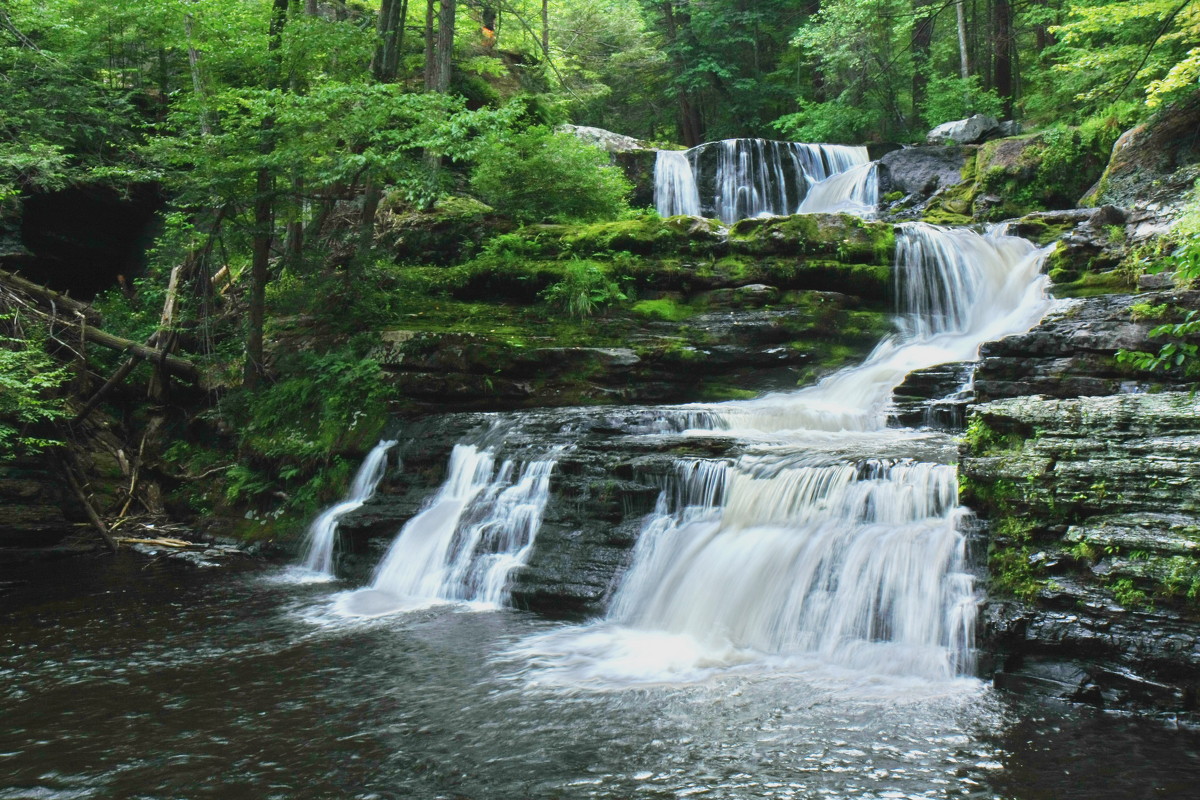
{"x":462,"y":546}
{"x":675,"y":189}
{"x":322,"y":533}
{"x":740,"y":178}
{"x":830,"y":538}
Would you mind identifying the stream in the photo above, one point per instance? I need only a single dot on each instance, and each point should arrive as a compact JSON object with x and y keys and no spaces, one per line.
{"x":128,"y":679}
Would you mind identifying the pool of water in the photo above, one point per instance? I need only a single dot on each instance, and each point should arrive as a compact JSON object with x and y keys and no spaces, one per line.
{"x":122,"y":678}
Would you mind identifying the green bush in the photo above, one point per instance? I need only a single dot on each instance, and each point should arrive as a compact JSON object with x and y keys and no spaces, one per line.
{"x":541,"y":176}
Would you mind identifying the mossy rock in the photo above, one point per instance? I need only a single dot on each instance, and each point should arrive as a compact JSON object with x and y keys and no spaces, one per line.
{"x":839,"y":236}
{"x":643,"y":236}
{"x":446,"y":234}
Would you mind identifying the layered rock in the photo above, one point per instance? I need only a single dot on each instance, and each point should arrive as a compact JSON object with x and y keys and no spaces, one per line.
{"x":1094,"y":513}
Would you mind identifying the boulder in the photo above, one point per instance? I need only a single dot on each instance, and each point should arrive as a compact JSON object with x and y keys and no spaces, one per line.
{"x":635,"y":158}
{"x":606,"y":140}
{"x":971,"y":130}
{"x":922,"y":171}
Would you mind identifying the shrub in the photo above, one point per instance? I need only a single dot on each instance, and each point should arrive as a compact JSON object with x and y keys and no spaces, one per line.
{"x":541,"y":176}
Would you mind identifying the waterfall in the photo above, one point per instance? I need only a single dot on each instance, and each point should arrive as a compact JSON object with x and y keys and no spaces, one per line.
{"x":855,"y":191}
{"x":468,"y":538}
{"x":833,"y":537}
{"x":740,"y":178}
{"x":675,"y":189}
{"x":322,"y":533}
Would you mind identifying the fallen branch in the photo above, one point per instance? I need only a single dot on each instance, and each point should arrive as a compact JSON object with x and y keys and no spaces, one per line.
{"x":97,"y":523}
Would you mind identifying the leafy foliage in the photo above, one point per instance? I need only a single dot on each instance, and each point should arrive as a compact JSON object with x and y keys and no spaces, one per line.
{"x":539,"y":175}
{"x":584,"y":289}
{"x":29,"y":380}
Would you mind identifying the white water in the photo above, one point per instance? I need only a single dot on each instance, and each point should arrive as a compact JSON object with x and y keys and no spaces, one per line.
{"x":741,"y":178}
{"x":322,"y":533}
{"x":466,"y":541}
{"x":855,"y":191}
{"x":675,"y":189}
{"x":811,"y":546}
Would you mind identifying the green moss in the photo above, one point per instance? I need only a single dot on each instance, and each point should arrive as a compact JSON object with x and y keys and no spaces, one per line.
{"x":892,"y":197}
{"x":1091,"y":284}
{"x":982,"y":440}
{"x":664,"y":308}
{"x":1012,"y":570}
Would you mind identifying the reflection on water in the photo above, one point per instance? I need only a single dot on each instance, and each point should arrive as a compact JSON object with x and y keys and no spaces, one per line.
{"x":122,"y":680}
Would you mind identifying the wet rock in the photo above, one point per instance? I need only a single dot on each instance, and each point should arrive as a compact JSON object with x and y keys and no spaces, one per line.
{"x":972,"y":130}
{"x":1072,"y":352}
{"x":1094,"y":505}
{"x":934,"y":398}
{"x":922,"y":171}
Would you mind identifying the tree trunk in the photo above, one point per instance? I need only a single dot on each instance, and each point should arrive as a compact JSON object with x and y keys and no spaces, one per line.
{"x":1002,"y":36}
{"x":546,"y":29}
{"x":445,"y":46}
{"x":691,"y":125}
{"x":264,"y":216}
{"x":964,"y":60}
{"x":922,"y":36}
{"x":430,"y":77}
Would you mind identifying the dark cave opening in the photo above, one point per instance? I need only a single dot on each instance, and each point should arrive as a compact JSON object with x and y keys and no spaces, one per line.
{"x":82,"y":238}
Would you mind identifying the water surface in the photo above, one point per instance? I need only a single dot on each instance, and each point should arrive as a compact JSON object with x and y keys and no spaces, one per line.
{"x":121,"y":678}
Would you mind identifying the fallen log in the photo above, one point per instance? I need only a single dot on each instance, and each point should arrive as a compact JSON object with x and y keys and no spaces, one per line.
{"x":48,"y":296}
{"x":84,"y":326}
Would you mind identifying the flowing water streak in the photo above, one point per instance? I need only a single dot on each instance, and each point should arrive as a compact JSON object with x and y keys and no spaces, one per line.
{"x":741,"y":178}
{"x":809,"y":545}
{"x":675,"y":189}
{"x":855,"y":191}
{"x":322,"y":533}
{"x":467,"y":539}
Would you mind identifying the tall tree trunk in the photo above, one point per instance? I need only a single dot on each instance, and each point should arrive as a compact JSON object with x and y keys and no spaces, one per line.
{"x":546,"y":29}
{"x":691,"y":125}
{"x":922,"y":36}
{"x":812,"y":8}
{"x":197,"y":78}
{"x":445,"y":45}
{"x":263,"y":214}
{"x":1002,"y":64}
{"x":964,"y":60}
{"x":430,"y":13}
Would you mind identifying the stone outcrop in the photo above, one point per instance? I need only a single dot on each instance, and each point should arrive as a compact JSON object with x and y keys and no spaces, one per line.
{"x":1155,"y":165}
{"x":635,"y":158}
{"x":1072,"y":353}
{"x":922,"y":171}
{"x":1094,"y":514}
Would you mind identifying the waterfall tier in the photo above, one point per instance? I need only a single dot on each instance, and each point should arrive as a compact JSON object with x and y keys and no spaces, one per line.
{"x":810,"y":545}
{"x":468,"y":538}
{"x":740,"y":178}
{"x":322,"y":533}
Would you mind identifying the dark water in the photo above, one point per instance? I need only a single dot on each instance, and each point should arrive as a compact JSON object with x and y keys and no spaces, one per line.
{"x":122,"y":680}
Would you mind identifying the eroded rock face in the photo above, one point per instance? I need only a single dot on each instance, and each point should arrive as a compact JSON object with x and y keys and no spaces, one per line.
{"x":1072,"y":352}
{"x":602,"y":487}
{"x":1094,"y":510}
{"x":1155,"y":165}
